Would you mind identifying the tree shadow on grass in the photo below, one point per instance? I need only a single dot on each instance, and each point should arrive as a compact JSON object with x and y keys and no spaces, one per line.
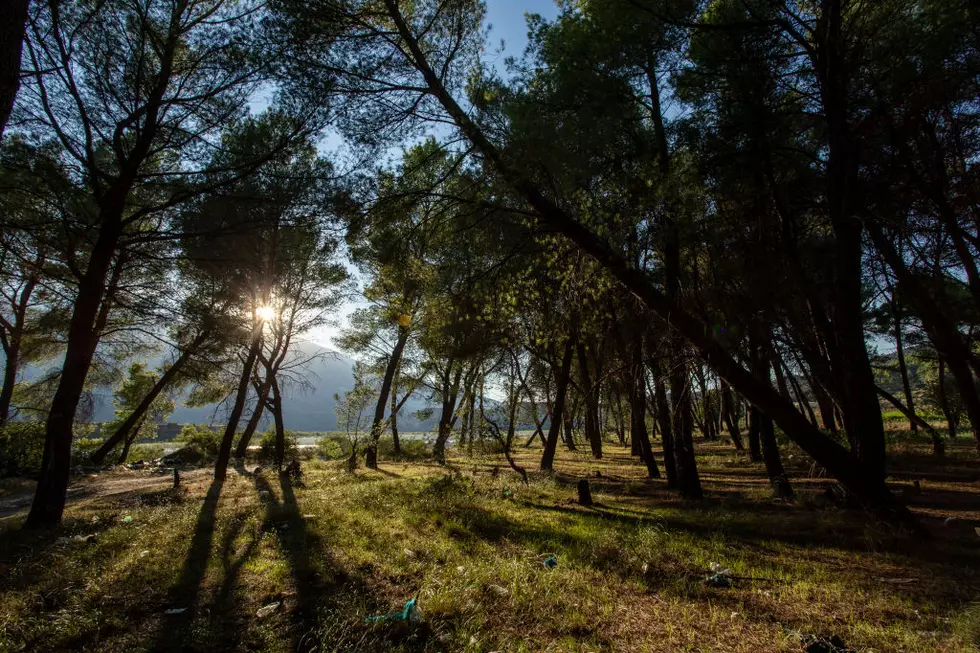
{"x":186,"y":593}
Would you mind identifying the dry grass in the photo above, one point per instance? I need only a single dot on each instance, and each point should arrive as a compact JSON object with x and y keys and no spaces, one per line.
{"x":629,"y":574}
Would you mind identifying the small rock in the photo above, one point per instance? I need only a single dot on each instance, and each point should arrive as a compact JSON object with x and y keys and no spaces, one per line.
{"x":266,"y":610}
{"x":499,"y":591}
{"x":309,"y":516}
{"x":84,"y":539}
{"x":175,"y":611}
{"x":409,"y":553}
{"x":645,"y":568}
{"x":460,"y":569}
{"x":62,"y":541}
{"x":143,"y":554}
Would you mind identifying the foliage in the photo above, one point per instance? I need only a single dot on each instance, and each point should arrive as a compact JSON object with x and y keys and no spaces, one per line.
{"x":21,"y":448}
{"x":267,"y":446}
{"x":204,"y":438}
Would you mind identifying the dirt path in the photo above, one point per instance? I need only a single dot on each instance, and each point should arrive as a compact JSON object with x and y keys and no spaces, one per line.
{"x":111,"y":484}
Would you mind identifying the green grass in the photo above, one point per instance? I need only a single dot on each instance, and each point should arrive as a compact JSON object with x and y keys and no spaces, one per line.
{"x":344,"y":546}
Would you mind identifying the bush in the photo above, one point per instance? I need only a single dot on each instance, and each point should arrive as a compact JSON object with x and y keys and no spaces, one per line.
{"x":332,"y":446}
{"x":83,"y":448}
{"x":146,"y":451}
{"x":267,"y":446}
{"x":21,"y":448}
{"x":412,"y":449}
{"x":204,"y":438}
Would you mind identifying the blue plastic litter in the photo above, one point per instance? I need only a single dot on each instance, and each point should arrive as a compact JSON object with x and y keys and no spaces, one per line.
{"x":551,"y":562}
{"x":408,"y":613}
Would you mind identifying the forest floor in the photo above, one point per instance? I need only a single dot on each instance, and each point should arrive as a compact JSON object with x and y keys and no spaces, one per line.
{"x":186,"y":570}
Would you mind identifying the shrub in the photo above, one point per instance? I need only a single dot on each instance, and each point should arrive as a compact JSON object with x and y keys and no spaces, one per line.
{"x":21,"y":448}
{"x":267,"y":446}
{"x":332,"y":446}
{"x":206,"y":439}
{"x":412,"y":449}
{"x":82,"y":448}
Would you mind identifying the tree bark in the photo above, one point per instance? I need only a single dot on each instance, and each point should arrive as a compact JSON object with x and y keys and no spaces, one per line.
{"x":590,"y":395}
{"x":49,"y":497}
{"x":13,"y":21}
{"x":371,"y":453}
{"x":728,"y":413}
{"x":122,"y":433}
{"x":280,"y":454}
{"x":666,"y":433}
{"x":562,"y":376}
{"x":11,"y":345}
{"x":224,"y":450}
{"x":944,"y":401}
{"x":261,"y":400}
{"x":902,"y":367}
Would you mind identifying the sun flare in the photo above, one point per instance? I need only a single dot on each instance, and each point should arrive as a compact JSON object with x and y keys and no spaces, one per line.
{"x":265,"y":313}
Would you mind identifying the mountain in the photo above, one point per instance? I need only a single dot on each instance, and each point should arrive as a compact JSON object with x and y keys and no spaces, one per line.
{"x":308,"y":408}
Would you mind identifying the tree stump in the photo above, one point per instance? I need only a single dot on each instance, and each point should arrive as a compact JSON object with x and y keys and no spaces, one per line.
{"x":176,"y":478}
{"x":584,"y":493}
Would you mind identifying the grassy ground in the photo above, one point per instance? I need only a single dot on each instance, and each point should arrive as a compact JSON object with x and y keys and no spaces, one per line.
{"x":469,"y":539}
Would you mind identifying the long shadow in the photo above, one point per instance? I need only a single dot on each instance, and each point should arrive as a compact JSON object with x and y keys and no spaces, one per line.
{"x":186,"y":592}
{"x":224,"y":601}
{"x":297,"y":543}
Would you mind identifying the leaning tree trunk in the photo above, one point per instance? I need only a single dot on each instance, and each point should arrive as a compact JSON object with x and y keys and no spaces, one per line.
{"x":562,"y":377}
{"x":52,"y":487}
{"x":902,"y":367}
{"x":731,"y":419}
{"x":130,"y":440}
{"x":224,"y":450}
{"x":836,"y":459}
{"x":261,"y":400}
{"x":371,"y":453}
{"x":122,"y":433}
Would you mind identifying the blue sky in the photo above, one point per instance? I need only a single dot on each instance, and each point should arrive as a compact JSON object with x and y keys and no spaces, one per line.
{"x":508,"y":24}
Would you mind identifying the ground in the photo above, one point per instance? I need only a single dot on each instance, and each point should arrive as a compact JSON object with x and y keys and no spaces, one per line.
{"x":181,"y":570}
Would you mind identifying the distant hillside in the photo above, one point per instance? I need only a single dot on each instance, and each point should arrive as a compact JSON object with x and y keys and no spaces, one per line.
{"x":311,"y":409}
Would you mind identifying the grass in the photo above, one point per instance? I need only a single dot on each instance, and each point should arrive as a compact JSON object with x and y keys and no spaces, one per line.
{"x":469,"y":540}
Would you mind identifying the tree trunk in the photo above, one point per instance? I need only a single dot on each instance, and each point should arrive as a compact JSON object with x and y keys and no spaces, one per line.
{"x":371,"y":453}
{"x":590,"y":396}
{"x":902,"y":367}
{"x":638,"y":405}
{"x":731,"y":419}
{"x":49,"y":497}
{"x":13,"y":19}
{"x":122,"y":433}
{"x":129,"y":441}
{"x":774,"y":464}
{"x":12,"y":342}
{"x":666,"y":433}
{"x":395,"y":441}
{"x":224,"y":450}
{"x":261,"y":400}
{"x":280,"y":425}
{"x":938,"y":448}
{"x":944,"y":402}
{"x":562,"y":376}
